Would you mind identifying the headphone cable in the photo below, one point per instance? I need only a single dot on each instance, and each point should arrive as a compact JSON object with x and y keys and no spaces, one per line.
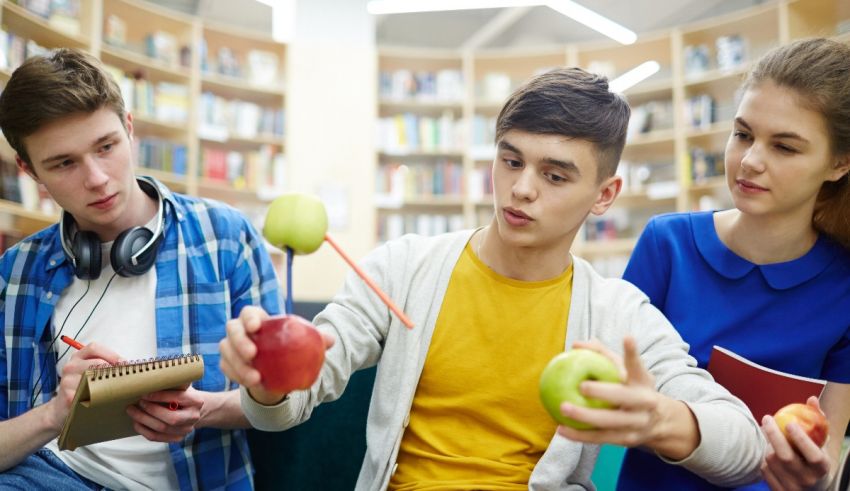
{"x":50,"y":349}
{"x":32,"y":400}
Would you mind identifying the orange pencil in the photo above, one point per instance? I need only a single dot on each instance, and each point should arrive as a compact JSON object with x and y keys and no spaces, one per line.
{"x":386,"y":299}
{"x":72,"y":342}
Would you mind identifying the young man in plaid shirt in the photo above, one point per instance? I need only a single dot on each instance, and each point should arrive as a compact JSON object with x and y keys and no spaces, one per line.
{"x":131,"y":271}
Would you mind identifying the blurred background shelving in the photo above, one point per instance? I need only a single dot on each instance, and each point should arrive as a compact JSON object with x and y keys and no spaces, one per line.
{"x":391,"y":119}
{"x":207,"y":99}
{"x":681,"y":117}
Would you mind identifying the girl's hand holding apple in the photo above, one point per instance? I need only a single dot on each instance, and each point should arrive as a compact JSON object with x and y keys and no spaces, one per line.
{"x":797,"y":458}
{"x":639,"y":415}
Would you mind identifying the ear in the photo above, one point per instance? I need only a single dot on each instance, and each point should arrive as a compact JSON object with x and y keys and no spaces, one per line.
{"x":842,"y":167}
{"x":608,"y":192}
{"x":129,"y":124}
{"x":26,"y":168}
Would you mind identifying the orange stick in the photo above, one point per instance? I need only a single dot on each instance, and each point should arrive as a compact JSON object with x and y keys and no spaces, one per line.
{"x":397,"y":311}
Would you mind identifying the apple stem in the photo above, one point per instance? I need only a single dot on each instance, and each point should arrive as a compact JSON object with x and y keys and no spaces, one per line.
{"x":290,"y":254}
{"x":362,"y":274}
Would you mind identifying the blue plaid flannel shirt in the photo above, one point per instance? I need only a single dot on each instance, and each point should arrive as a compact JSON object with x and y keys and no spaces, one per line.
{"x":210,"y":264}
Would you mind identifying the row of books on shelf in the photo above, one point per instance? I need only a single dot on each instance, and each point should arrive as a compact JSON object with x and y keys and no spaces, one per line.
{"x":494,"y":86}
{"x":409,"y":132}
{"x":481,"y":184}
{"x":167,"y":102}
{"x":650,"y":116}
{"x":416,"y":180}
{"x":18,"y":187}
{"x":394,"y":225}
{"x":261,"y":170}
{"x":483,"y":130}
{"x":619,"y":223}
{"x":259,"y":67}
{"x":162,"y":155}
{"x":700,"y":111}
{"x":60,"y":14}
{"x":160,"y":45}
{"x":730,"y":52}
{"x":15,"y":49}
{"x":650,"y":177}
{"x":442,"y":85}
{"x":705,"y":164}
{"x":222,"y":118}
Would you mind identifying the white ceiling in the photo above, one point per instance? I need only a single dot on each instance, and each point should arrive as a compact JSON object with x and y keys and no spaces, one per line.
{"x":535,"y":26}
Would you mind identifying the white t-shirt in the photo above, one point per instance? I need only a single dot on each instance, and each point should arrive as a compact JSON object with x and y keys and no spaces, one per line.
{"x":125,"y":322}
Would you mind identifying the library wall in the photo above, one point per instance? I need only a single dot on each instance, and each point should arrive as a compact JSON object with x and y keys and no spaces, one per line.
{"x":330,"y":141}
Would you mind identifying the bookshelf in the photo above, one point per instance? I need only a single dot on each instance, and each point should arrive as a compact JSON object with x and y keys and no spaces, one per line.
{"x":421,"y":137}
{"x":207,"y":100}
{"x":681,"y":116}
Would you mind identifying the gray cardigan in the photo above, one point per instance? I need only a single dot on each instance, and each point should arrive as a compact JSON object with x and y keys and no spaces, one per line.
{"x":415,"y":271}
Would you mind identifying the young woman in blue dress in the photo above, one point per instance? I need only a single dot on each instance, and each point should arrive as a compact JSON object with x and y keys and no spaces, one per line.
{"x":769,"y":278}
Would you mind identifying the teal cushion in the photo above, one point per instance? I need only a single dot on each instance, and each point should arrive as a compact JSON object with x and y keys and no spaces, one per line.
{"x":608,"y":467}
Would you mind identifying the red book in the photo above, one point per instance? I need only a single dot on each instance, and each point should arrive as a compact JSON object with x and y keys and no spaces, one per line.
{"x":764,"y":390}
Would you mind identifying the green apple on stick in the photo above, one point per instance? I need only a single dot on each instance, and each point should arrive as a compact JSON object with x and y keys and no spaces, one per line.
{"x":298,"y":221}
{"x":562,"y":377}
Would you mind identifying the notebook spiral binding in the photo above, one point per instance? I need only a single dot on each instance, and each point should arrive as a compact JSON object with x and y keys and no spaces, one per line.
{"x":105,"y":370}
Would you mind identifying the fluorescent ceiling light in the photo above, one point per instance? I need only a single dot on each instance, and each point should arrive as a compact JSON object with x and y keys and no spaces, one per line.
{"x":593,"y":20}
{"x":634,"y":76}
{"x":376,"y":7}
{"x":568,"y":8}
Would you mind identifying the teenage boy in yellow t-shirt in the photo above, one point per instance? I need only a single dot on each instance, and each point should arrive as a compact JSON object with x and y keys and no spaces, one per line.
{"x":455,"y":402}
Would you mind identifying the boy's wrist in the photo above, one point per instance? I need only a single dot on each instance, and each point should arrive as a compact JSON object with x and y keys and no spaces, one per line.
{"x":51,"y":415}
{"x":677,"y":433}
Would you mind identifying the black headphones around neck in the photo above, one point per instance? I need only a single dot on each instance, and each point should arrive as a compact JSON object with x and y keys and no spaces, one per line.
{"x":133,"y":252}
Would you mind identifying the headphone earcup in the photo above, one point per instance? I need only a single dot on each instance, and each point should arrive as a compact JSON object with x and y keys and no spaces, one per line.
{"x":128,"y":243}
{"x":87,"y":255}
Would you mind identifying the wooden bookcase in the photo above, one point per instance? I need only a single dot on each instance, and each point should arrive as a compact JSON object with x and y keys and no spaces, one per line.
{"x":682,"y":116}
{"x":174,"y":70}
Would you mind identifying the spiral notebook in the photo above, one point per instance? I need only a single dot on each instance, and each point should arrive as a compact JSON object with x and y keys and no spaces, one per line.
{"x":99,"y":414}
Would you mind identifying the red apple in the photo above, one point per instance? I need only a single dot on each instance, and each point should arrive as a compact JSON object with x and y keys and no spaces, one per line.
{"x":290,"y":353}
{"x":812,"y":421}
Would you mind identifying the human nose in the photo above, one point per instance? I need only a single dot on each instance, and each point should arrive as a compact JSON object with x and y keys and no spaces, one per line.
{"x":752,"y":160}
{"x":524,"y":188}
{"x":95,"y":174}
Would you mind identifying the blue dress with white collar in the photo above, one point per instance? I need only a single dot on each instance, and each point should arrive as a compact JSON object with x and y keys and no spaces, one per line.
{"x":792,"y":316}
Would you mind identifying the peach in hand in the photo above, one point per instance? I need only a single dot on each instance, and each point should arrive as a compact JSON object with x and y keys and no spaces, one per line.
{"x":812,"y":421}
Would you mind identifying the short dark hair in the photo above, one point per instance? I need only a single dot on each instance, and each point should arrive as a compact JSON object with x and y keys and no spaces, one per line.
{"x":573,"y":103}
{"x":50,"y":87}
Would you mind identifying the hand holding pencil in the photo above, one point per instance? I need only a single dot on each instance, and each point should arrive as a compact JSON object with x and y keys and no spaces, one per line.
{"x":171,"y":405}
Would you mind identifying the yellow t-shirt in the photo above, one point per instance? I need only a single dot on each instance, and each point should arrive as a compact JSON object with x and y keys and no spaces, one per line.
{"x":476,"y":420}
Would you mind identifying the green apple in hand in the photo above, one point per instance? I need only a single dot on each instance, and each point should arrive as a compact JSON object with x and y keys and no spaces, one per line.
{"x":561,"y":378}
{"x":298,"y":221}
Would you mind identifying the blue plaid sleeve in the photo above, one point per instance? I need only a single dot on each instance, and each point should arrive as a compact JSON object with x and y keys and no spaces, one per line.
{"x":253,"y":280}
{"x":4,"y":376}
